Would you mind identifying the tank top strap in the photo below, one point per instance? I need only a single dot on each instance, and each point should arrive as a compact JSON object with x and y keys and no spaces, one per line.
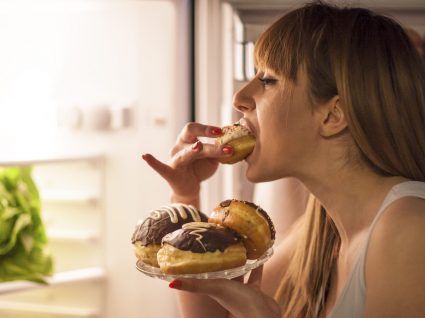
{"x":404,"y":189}
{"x":352,"y":300}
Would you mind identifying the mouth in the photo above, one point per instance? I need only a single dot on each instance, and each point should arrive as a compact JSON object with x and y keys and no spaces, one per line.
{"x":243,"y":122}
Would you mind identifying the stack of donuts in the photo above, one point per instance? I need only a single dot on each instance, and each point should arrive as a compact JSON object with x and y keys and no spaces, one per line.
{"x":179,"y":239}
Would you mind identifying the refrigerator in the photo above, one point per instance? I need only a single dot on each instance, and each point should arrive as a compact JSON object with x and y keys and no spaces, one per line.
{"x":87,"y":87}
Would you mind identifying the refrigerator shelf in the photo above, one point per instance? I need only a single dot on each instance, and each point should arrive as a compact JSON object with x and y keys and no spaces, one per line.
{"x":72,"y":235}
{"x":74,"y":276}
{"x":50,"y":158}
{"x":19,"y":307}
{"x":64,"y":196}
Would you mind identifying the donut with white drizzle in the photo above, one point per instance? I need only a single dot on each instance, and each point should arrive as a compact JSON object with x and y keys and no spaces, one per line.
{"x":201,"y":247}
{"x":149,"y":232}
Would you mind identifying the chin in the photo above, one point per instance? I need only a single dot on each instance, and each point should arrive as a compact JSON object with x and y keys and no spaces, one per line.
{"x":259,"y":175}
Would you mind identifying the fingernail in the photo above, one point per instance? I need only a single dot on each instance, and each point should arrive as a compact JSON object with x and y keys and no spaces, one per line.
{"x":176,"y":284}
{"x":216,"y":131}
{"x":196,"y":146}
{"x":227,"y":150}
{"x":143,"y":156}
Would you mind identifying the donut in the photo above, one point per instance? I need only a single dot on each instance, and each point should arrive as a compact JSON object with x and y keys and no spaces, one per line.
{"x":200,"y":247}
{"x":241,"y":140}
{"x":149,"y":232}
{"x":250,"y":221}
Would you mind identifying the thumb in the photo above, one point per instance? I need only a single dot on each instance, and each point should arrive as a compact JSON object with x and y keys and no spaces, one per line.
{"x":255,"y":277}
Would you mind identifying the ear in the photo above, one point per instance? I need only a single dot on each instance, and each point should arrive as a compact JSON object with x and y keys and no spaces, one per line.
{"x":332,"y":118}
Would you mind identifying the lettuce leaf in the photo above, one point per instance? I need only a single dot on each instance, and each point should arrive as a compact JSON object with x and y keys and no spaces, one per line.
{"x":24,"y":253}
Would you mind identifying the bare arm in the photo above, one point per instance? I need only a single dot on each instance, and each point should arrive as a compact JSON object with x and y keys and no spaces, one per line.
{"x":395,"y":275}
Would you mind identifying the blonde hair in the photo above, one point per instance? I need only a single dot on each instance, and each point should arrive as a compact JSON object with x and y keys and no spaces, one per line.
{"x":368,"y":61}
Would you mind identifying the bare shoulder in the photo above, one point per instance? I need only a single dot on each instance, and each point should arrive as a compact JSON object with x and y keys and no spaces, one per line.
{"x":402,"y":222}
{"x":395,"y":279}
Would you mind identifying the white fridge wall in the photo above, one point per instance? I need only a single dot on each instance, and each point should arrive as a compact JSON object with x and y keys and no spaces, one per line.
{"x":91,"y":53}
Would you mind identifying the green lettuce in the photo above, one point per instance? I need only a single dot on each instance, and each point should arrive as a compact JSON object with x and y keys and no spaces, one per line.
{"x":23,"y":242}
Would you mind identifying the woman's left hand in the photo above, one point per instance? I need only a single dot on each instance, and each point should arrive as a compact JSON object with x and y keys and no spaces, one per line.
{"x":239,"y":299}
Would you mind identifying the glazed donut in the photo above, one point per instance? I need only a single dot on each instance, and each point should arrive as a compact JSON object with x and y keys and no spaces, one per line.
{"x":149,"y":232}
{"x":250,"y":221}
{"x":241,"y":140}
{"x":200,"y":247}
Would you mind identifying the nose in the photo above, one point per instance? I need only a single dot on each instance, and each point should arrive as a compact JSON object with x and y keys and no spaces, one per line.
{"x":243,"y":100}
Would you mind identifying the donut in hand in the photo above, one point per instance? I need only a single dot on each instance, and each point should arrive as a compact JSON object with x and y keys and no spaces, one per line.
{"x":200,"y":247}
{"x":149,"y":232}
{"x":240,"y":139}
{"x":250,"y":221}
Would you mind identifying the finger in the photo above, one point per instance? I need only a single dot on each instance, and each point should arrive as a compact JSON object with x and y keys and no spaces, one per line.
{"x":239,"y":279}
{"x":232,"y":295}
{"x":187,"y":155}
{"x":215,"y":151}
{"x":208,"y":286}
{"x":192,"y":131}
{"x":255,"y":277}
{"x":199,"y":150}
{"x":162,"y":169}
{"x":216,"y":288}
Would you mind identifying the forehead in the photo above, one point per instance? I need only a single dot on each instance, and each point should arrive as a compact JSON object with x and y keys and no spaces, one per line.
{"x":279,"y":49}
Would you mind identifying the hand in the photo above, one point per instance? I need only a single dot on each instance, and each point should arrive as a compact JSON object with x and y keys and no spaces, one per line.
{"x":239,"y":299}
{"x":191,"y":161}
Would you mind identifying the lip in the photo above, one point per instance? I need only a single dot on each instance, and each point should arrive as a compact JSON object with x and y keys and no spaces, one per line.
{"x":247,"y":159}
{"x":245,"y":123}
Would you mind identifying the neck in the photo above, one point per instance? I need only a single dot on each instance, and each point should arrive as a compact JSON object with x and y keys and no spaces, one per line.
{"x":351,"y":198}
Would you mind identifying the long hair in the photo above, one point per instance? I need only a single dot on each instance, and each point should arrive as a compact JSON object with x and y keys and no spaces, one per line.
{"x":369,"y":62}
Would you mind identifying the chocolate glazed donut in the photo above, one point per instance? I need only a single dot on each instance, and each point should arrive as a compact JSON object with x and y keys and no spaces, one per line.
{"x":149,"y":232}
{"x":201,"y":247}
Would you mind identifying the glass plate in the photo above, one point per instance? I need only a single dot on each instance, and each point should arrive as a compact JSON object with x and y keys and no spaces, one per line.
{"x":228,"y":273}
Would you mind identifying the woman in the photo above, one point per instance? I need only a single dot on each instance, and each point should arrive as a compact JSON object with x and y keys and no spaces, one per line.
{"x":338,"y":103}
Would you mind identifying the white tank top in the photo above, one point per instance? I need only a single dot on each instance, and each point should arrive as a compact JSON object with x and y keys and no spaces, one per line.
{"x":351,"y":302}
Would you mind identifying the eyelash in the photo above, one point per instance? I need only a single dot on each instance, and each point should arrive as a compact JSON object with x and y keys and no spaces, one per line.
{"x":267,"y":81}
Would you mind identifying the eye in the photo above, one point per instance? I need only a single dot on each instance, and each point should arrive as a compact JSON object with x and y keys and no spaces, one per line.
{"x":267,"y":81}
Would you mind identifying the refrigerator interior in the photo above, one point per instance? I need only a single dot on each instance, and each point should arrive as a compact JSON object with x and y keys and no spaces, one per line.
{"x":87,"y":87}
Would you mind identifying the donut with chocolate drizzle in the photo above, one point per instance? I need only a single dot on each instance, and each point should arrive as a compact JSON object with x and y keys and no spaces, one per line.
{"x":201,"y":247}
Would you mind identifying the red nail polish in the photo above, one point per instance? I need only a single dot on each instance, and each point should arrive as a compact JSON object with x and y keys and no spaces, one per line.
{"x":216,"y":131}
{"x":227,"y":150}
{"x":176,"y":284}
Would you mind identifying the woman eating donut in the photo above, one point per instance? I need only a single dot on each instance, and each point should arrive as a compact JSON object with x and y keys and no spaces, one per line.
{"x":338,"y":103}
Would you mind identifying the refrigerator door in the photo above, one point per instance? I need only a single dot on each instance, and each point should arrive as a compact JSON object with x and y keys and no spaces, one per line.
{"x":118,"y":74}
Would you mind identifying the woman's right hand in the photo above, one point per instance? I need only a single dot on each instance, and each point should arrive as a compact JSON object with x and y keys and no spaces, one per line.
{"x":191,"y":161}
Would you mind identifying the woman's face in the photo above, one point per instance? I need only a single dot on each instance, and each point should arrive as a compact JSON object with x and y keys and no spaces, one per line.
{"x":281,"y":117}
